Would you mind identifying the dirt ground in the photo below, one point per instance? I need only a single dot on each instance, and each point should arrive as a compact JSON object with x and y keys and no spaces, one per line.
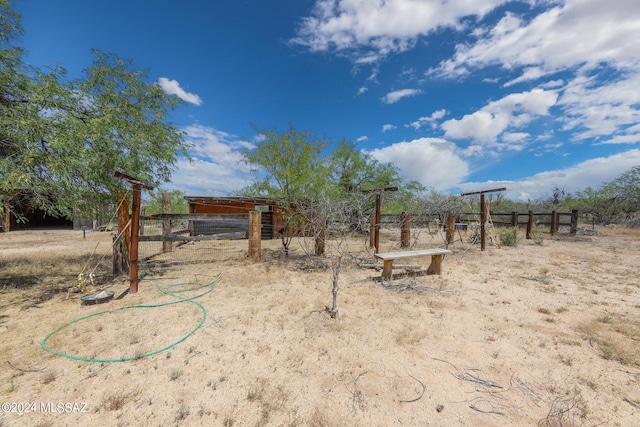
{"x":534,"y":334}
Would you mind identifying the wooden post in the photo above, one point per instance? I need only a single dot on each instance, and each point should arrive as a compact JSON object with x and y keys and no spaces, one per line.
{"x":574,"y":221}
{"x":451,"y":227}
{"x":483,"y":214}
{"x":554,"y":223}
{"x":167,"y":245}
{"x":255,"y":235}
{"x":117,"y":256}
{"x":142,"y":209}
{"x":483,"y":219}
{"x":375,"y":239}
{"x":192,"y":227}
{"x":372,"y":233}
{"x":530,"y":225}
{"x":514,"y":218}
{"x":7,"y":215}
{"x":320,"y":237}
{"x":125,"y":234}
{"x":376,"y":228}
{"x":405,"y":229}
{"x":135,"y":230}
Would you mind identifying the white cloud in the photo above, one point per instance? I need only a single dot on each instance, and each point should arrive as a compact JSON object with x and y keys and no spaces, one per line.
{"x":514,"y":110}
{"x":590,"y":173}
{"x":397,"y":95}
{"x":172,"y":87}
{"x":584,"y":33}
{"x":362,"y":90}
{"x":597,"y":110}
{"x":432,"y":119}
{"x":206,"y":178}
{"x":515,"y":137}
{"x":375,"y":28}
{"x":434,"y":162}
{"x":387,"y":127}
{"x":362,"y":138}
{"x":217,"y":168}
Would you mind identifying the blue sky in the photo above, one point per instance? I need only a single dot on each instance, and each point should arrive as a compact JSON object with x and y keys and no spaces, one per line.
{"x":461,"y":95}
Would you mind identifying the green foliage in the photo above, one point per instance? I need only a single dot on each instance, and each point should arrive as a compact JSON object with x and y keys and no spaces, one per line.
{"x":291,"y":163}
{"x":155,"y":202}
{"x":538,"y":235}
{"x":617,"y":201}
{"x":63,"y":139}
{"x":294,"y":170}
{"x":508,"y":236}
{"x":353,"y":171}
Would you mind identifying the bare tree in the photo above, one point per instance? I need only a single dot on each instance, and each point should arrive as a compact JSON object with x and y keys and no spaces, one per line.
{"x":330,"y":222}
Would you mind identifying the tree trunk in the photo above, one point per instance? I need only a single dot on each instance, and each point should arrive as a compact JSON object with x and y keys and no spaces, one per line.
{"x":334,"y":312}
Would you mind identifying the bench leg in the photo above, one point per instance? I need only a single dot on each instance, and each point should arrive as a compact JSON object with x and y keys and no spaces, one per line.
{"x":436,"y":264}
{"x":386,"y":271}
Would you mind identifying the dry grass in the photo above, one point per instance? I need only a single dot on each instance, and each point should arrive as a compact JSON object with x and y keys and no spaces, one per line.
{"x":116,"y":400}
{"x":555,"y":326}
{"x":618,"y":339}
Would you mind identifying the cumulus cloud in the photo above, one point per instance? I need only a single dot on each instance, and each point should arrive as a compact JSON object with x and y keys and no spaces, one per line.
{"x":514,"y":110}
{"x":431,"y":120}
{"x":434,"y":162}
{"x":387,"y":127}
{"x":397,"y":95}
{"x":362,"y":138}
{"x":172,"y":87}
{"x":217,"y":168}
{"x":374,"y":29}
{"x":590,"y":173}
{"x":595,"y":110}
{"x":585,"y":33}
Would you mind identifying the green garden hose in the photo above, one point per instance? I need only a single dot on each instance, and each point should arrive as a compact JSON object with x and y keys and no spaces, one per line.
{"x":171,"y":291}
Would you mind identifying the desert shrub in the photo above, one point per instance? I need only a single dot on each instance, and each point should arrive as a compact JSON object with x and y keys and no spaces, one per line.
{"x":508,"y":236}
{"x":538,"y":235}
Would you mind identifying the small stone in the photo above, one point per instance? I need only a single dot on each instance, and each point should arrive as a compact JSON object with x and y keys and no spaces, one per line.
{"x":439,"y":408}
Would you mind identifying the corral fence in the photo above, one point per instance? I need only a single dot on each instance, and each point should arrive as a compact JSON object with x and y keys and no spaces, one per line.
{"x":554,"y":220}
{"x":452,"y":222}
{"x":186,"y":238}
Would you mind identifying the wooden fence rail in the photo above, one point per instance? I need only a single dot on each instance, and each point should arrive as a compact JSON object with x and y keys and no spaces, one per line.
{"x":552,"y":219}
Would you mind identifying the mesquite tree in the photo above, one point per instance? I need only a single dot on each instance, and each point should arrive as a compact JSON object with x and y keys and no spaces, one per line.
{"x":330,"y":222}
{"x":62,"y":139}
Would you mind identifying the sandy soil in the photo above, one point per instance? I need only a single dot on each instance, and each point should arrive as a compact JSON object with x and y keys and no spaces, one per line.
{"x":533,"y":334}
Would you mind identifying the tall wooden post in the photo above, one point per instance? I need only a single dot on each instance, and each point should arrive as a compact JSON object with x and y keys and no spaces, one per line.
{"x":124,"y":243}
{"x":375,"y":241}
{"x":483,"y":214}
{"x":574,"y":221}
{"x":405,"y":229}
{"x":372,"y":232}
{"x":255,"y":235}
{"x":134,"y":228}
{"x":554,"y":222}
{"x":135,"y":231}
{"x":530,"y":225}
{"x":167,"y":245}
{"x":514,"y":218}
{"x":376,"y":226}
{"x":451,"y":227}
{"x":192,"y":227}
{"x":483,"y":219}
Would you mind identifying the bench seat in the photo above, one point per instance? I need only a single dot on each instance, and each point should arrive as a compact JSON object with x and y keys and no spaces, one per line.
{"x":436,"y":254}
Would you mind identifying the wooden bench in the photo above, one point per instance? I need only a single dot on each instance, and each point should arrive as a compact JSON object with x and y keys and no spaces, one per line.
{"x":434,"y":268}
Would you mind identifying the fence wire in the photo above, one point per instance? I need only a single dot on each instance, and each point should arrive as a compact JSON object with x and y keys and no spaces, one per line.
{"x":185,"y":251}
